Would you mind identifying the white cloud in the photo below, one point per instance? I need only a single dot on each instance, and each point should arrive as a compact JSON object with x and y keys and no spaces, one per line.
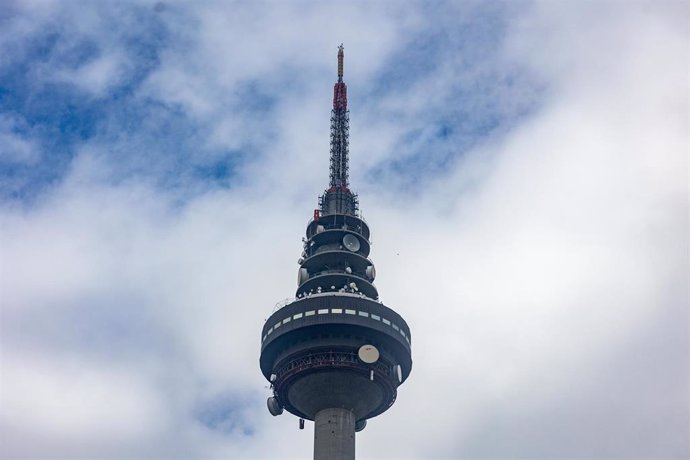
{"x":544,"y":274}
{"x":96,"y":76}
{"x":14,"y":147}
{"x":72,"y":400}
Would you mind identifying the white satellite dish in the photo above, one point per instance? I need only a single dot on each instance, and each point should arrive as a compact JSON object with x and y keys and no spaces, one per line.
{"x":368,"y":353}
{"x":274,"y":407}
{"x":371,"y":272}
{"x":302,"y":276}
{"x":320,"y":228}
{"x":351,"y":242}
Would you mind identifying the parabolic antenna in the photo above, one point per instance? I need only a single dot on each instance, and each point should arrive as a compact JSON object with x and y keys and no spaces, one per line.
{"x":351,"y":242}
{"x":274,"y":406}
{"x":360,"y":425}
{"x":368,"y":353}
{"x":302,"y":276}
{"x":371,"y":272}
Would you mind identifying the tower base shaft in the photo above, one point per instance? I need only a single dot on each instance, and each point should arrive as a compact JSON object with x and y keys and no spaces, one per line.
{"x":334,"y":435}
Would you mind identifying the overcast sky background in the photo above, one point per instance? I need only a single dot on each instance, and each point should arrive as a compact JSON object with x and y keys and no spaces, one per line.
{"x":523,"y":167}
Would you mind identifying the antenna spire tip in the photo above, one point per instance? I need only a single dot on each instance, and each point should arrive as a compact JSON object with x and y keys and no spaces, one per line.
{"x":341,"y":55}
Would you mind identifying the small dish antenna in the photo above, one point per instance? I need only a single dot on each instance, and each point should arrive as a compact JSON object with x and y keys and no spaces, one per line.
{"x":371,"y":272}
{"x":302,"y":276}
{"x":368,"y":354}
{"x":351,"y":243}
{"x":360,"y":425}
{"x":274,"y":407}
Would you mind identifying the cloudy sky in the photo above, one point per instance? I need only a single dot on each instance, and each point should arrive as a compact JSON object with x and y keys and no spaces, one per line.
{"x":523,"y":167}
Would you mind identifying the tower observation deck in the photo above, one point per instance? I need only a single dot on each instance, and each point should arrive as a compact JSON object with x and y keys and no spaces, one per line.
{"x":335,"y":354}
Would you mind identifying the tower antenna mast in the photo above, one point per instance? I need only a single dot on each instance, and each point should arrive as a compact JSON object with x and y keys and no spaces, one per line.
{"x":340,"y":131}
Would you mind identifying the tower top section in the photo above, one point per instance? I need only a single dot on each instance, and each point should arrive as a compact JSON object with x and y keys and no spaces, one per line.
{"x":335,"y":354}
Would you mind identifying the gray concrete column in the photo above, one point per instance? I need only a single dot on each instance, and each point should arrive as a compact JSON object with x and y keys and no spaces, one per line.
{"x":334,"y":435}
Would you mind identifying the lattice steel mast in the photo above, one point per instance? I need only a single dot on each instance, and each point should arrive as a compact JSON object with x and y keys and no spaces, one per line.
{"x":338,"y":198}
{"x":340,"y":129}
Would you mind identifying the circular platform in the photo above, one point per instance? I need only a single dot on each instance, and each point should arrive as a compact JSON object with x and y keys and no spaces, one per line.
{"x":310,"y":350}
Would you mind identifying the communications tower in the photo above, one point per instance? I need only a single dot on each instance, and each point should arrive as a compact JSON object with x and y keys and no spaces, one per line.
{"x":335,"y":354}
